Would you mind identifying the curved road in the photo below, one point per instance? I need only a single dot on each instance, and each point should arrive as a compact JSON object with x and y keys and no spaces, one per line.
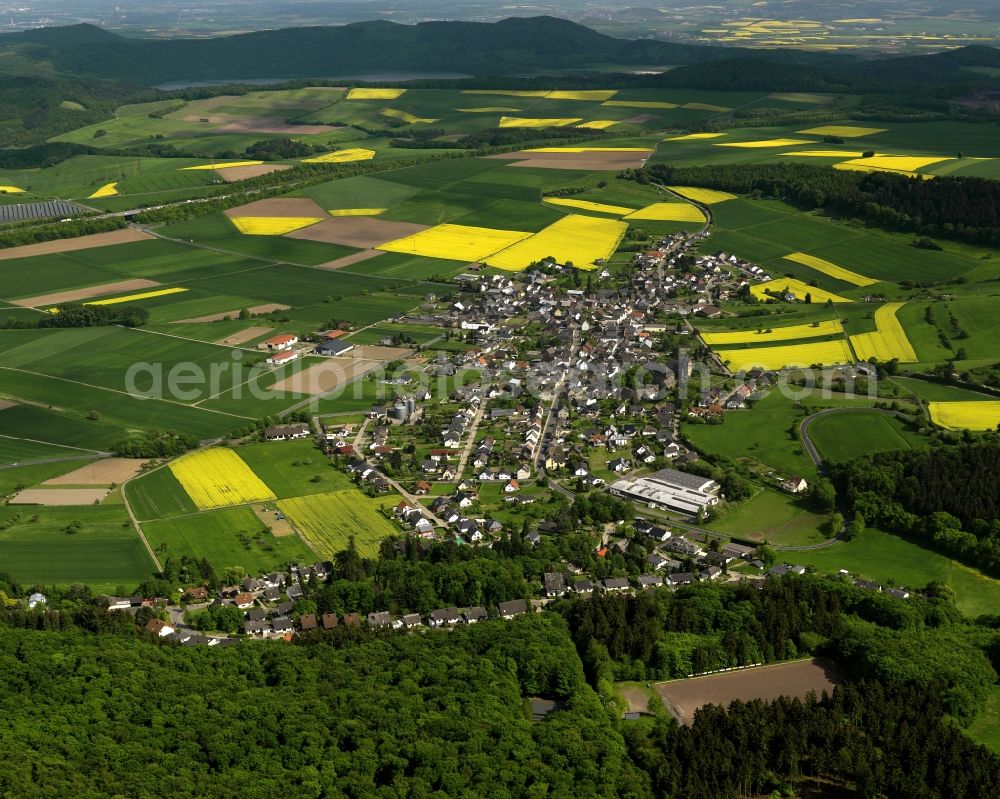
{"x":806,"y":423}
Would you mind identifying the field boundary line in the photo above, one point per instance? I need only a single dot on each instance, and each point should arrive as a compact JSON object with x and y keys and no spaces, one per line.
{"x":100,"y":452}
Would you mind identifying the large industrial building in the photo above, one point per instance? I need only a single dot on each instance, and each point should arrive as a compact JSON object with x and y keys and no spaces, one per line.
{"x":671,"y":490}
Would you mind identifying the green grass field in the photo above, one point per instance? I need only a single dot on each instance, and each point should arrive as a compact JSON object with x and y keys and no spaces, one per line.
{"x":106,"y":554}
{"x":843,"y":436}
{"x":985,"y":728}
{"x":328,"y":520}
{"x":158,"y":494}
{"x":772,"y":516}
{"x":288,"y":468}
{"x":228,"y":537}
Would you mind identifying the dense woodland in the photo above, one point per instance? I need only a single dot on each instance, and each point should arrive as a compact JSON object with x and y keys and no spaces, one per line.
{"x":355,"y":712}
{"x":947,"y":496}
{"x":961,"y":208}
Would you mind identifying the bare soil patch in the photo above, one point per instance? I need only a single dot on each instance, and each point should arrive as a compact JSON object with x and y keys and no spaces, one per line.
{"x":100,"y":473}
{"x":72,"y":295}
{"x":218,"y":317}
{"x":243,"y":336}
{"x":273,"y":125}
{"x":235,"y":173}
{"x":636,"y":696}
{"x":684,"y":697}
{"x":357,"y":231}
{"x":123,"y":236}
{"x":353,"y":258}
{"x":279,"y":207}
{"x":373,"y":352}
{"x":268,"y":517}
{"x":595,"y":162}
{"x":5,"y":404}
{"x":60,"y":496}
{"x":326,"y":376}
{"x":638,"y":119}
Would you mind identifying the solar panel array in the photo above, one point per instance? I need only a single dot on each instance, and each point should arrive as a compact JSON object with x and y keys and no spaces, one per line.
{"x":22,"y":212}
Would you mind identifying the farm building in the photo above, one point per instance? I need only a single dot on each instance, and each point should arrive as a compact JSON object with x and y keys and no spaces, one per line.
{"x":286,"y":432}
{"x":278,"y":343}
{"x":280,"y":358}
{"x":333,"y":347}
{"x":671,"y":489}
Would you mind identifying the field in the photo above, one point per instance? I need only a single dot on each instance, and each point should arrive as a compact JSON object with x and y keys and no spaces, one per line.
{"x":787,"y":356}
{"x":105,"y":554}
{"x":984,"y":415}
{"x":775,"y":517}
{"x":227,"y":537}
{"x":844,"y":436}
{"x":800,"y":290}
{"x":830,"y":327}
{"x":214,"y":478}
{"x":827,"y":268}
{"x":456,"y":242}
{"x":986,"y":726}
{"x":796,"y":679}
{"x":327,"y":521}
{"x":574,"y":239}
{"x":889,"y":339}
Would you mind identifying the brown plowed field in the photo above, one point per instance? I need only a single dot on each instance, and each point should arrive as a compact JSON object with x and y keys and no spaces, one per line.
{"x":353,"y":258}
{"x":217,"y":317}
{"x":796,"y":679}
{"x":357,"y":231}
{"x":235,"y":173}
{"x":73,"y":295}
{"x":123,"y":236}
{"x":279,"y":207}
{"x":100,"y":473}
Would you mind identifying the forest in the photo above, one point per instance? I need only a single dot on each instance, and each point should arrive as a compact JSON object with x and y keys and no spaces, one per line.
{"x":357,"y":712}
{"x":947,"y":496}
{"x":950,"y":207}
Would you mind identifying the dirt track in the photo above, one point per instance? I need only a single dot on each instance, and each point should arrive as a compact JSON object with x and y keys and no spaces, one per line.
{"x":357,"y":231}
{"x":100,"y":473}
{"x":796,"y":679}
{"x":73,"y":295}
{"x":123,"y":236}
{"x":5,"y":404}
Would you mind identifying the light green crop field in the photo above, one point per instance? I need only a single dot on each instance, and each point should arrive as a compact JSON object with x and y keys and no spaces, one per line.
{"x":288,"y":467}
{"x":775,"y":517}
{"x":105,"y":554}
{"x":327,"y":521}
{"x":158,"y":494}
{"x":228,"y":537}
{"x":843,"y":436}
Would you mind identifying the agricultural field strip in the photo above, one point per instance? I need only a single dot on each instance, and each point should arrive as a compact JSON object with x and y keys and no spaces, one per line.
{"x":53,"y":444}
{"x":971,"y":414}
{"x":827,"y":353}
{"x":119,"y":391}
{"x":830,"y":269}
{"x":889,"y":339}
{"x":789,"y":333}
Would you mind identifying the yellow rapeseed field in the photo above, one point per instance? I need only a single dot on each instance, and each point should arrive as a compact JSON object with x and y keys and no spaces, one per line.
{"x":11,"y":190}
{"x":827,"y":268}
{"x":532,"y":122}
{"x":580,"y":240}
{"x":594,"y":95}
{"x":226,"y":165}
{"x":271,"y":225}
{"x":796,"y":287}
{"x":374,"y":94}
{"x":704,"y":196}
{"x":766,"y":143}
{"x":133,"y":297}
{"x":406,"y":116}
{"x":695,"y":136}
{"x":669,"y":212}
{"x":586,"y":205}
{"x":216,"y":478}
{"x":598,"y":124}
{"x":844,"y":131}
{"x":639,"y":104}
{"x":455,"y":242}
{"x":897,"y":163}
{"x":848,"y":166}
{"x":826,"y":353}
{"x":831,"y":327}
{"x":588,"y":150}
{"x":341,"y":156}
{"x":966,"y":415}
{"x":107,"y":190}
{"x":356,"y":211}
{"x":889,"y":339}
